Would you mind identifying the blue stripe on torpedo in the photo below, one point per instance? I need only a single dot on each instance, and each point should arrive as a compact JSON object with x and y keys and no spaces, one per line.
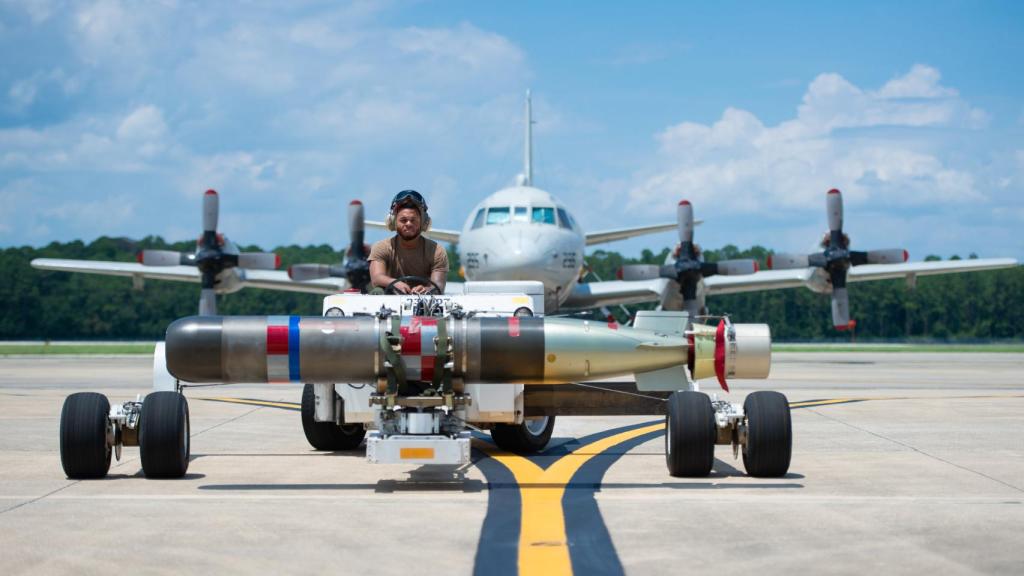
{"x":293,"y":349}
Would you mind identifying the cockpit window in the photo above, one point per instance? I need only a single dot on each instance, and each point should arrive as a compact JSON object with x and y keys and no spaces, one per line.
{"x":543,"y":215}
{"x":479,"y":220}
{"x":519,"y":214}
{"x":497,"y":216}
{"x":564,"y":220}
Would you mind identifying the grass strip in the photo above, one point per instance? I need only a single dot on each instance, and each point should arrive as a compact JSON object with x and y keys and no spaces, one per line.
{"x":896,"y":348}
{"x":74,"y":349}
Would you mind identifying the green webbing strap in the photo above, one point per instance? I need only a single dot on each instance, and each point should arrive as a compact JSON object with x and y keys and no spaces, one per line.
{"x":396,"y":375}
{"x":441,"y":357}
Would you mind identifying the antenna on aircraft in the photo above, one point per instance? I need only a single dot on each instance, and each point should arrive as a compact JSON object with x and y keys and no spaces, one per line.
{"x":528,"y":166}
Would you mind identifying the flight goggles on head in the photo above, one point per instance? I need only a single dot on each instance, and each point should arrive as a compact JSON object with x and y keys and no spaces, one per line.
{"x":407,"y":198}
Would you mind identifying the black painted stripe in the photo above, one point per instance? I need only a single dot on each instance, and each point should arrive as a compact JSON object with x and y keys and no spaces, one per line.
{"x":591,"y":548}
{"x":511,"y":349}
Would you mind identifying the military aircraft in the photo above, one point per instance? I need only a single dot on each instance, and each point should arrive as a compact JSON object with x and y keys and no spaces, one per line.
{"x":525,"y":233}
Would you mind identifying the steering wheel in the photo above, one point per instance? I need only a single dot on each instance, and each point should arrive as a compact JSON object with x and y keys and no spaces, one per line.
{"x":415,"y":281}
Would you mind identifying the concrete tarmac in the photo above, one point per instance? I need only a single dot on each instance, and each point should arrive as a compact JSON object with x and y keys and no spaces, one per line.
{"x":914,"y":465}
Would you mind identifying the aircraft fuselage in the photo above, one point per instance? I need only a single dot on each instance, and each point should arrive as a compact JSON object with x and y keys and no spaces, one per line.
{"x":523,"y":233}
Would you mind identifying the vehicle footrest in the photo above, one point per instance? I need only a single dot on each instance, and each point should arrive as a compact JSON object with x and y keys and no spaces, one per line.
{"x":417,"y":449}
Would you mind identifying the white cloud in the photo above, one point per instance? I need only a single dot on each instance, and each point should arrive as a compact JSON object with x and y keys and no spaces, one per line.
{"x":127,"y":142}
{"x":23,"y":92}
{"x":921,"y":82}
{"x":38,"y":11}
{"x":106,"y":215}
{"x":841,"y":137}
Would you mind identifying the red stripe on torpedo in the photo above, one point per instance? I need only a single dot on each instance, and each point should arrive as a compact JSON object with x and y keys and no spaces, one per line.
{"x":411,"y":339}
{"x":513,"y":327}
{"x":427,"y":367}
{"x":277,"y":339}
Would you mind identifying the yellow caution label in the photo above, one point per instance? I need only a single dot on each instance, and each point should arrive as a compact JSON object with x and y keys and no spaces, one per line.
{"x":416,"y":453}
{"x":521,"y":300}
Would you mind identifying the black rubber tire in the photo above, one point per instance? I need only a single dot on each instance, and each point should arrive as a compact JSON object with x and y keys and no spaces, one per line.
{"x":164,"y":442}
{"x":520,"y":439}
{"x":690,"y":434}
{"x":84,"y":452}
{"x":769,"y":435}
{"x":327,"y":436}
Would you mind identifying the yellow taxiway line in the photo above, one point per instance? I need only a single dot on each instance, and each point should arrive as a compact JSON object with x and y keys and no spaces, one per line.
{"x":543,"y":545}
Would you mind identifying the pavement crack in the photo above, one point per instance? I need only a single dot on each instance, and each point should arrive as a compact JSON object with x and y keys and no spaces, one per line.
{"x":918,"y":450}
{"x":34,"y":500}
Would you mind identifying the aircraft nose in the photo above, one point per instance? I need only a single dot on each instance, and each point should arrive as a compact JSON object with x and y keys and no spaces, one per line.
{"x":518,"y":251}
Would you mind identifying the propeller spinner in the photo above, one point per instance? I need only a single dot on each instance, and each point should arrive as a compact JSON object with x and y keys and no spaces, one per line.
{"x":213,"y":255}
{"x":355,"y":269}
{"x":836,"y":259}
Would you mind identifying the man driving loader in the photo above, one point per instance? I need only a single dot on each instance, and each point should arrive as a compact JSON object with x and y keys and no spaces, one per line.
{"x":408,"y":263}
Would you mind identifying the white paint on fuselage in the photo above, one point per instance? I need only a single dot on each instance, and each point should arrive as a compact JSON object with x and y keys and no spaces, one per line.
{"x":523,"y":249}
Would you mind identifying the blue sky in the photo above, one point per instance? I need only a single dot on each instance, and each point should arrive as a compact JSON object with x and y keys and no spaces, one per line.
{"x":116,"y":116}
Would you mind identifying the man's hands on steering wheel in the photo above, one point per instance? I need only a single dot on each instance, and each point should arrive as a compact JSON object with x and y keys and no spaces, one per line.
{"x":412,"y":285}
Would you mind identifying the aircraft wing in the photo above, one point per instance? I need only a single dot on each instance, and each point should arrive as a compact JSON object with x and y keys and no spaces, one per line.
{"x":615,"y":292}
{"x":269,"y":279}
{"x":763,"y":280}
{"x":130,"y":269}
{"x":623,"y":233}
{"x":886,"y":271}
{"x":449,"y":236}
{"x":279,"y":280}
{"x":775,"y":279}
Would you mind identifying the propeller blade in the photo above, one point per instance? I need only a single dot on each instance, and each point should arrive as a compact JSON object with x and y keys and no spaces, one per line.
{"x":891,"y":256}
{"x":684,"y":217}
{"x":207,"y":302}
{"x":211,"y":208}
{"x":692,"y":308}
{"x":736,"y":267}
{"x":259,"y":260}
{"x":834,"y":205}
{"x":634,"y":272}
{"x":357,"y":230}
{"x":162,"y":258}
{"x":781,"y":261}
{"x":303,"y":272}
{"x":667,"y":271}
{"x":840,"y":308}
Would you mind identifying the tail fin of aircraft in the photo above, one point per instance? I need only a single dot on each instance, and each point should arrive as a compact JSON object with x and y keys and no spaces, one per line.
{"x":528,"y":147}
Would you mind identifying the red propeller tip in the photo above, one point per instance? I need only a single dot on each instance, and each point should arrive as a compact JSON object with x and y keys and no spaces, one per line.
{"x":289,"y":271}
{"x":211,"y":192}
{"x":138,"y":257}
{"x":618,"y":273}
{"x":906,"y":255}
{"x":277,"y":261}
{"x":355,"y":203}
{"x":757,"y":267}
{"x":833,"y":191}
{"x":684,"y":202}
{"x":769,"y":262}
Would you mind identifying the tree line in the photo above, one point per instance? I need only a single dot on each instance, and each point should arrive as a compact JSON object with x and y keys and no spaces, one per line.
{"x":44,"y":305}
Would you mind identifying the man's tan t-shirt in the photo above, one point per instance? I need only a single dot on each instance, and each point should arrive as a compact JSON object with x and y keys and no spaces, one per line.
{"x":426,"y":257}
